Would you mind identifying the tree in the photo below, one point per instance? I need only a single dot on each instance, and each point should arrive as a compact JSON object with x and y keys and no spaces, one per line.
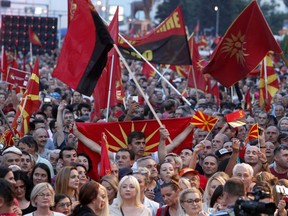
{"x":203,"y":10}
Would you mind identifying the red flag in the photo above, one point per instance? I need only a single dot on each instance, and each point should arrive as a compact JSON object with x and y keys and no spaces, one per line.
{"x":8,"y":139}
{"x":214,"y":89}
{"x":196,"y":79}
{"x":203,"y":121}
{"x":105,"y":167}
{"x":84,"y":52}
{"x":4,"y":65}
{"x":117,"y":133}
{"x":18,"y":77}
{"x":33,"y":37}
{"x":148,"y":71}
{"x":248,"y":101}
{"x":272,"y":82}
{"x":30,"y":100}
{"x":253,"y":133}
{"x":112,"y":72}
{"x":242,"y":48}
{"x":236,"y":119}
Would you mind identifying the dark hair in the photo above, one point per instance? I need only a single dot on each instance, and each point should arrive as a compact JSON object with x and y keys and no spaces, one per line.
{"x":88,"y":192}
{"x":59,"y":197}
{"x":37,"y":121}
{"x":44,"y":108}
{"x":83,"y":105}
{"x":172,"y":184}
{"x":280,"y":147}
{"x":30,"y":141}
{"x":90,"y":164}
{"x":42,"y":113}
{"x":6,"y":192}
{"x":132,"y":155}
{"x":52,"y":124}
{"x":75,"y":164}
{"x":217,"y":193}
{"x":135,"y":135}
{"x":66,"y":148}
{"x":44,"y":167}
{"x":20,"y":175}
{"x":3,"y":171}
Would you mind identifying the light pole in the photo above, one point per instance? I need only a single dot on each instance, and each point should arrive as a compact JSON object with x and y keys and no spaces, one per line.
{"x":216,"y":8}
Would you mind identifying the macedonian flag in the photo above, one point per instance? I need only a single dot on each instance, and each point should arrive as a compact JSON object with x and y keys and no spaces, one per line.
{"x":268,"y":84}
{"x":203,"y":121}
{"x":253,"y":133}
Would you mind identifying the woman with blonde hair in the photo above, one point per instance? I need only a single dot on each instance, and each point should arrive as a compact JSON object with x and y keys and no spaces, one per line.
{"x":190,"y":203}
{"x":110,"y":182}
{"x":42,"y":197}
{"x":219,"y":178}
{"x":93,"y":200}
{"x":67,"y":182}
{"x":128,"y":201}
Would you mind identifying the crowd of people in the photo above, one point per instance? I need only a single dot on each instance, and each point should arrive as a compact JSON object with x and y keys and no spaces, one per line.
{"x":43,"y":172}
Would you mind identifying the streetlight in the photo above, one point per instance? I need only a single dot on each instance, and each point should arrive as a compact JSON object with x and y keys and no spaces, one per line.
{"x":217,"y":20}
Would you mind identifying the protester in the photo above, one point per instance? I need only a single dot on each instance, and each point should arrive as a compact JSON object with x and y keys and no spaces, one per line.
{"x":6,"y":195}
{"x":62,"y":204}
{"x":40,"y":173}
{"x":110,"y":182}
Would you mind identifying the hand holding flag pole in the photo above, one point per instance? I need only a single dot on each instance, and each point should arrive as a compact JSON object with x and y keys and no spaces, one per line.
{"x":139,"y":88}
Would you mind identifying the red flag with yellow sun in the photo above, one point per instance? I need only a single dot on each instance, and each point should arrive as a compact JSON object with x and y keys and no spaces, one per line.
{"x":243,"y":47}
{"x":203,"y":121}
{"x":117,"y":133}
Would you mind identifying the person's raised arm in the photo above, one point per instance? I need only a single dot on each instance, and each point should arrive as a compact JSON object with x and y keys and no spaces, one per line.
{"x":179,"y":138}
{"x":233,"y":159}
{"x":199,"y":147}
{"x":92,"y":145}
{"x":162,"y":148}
{"x":60,"y":133}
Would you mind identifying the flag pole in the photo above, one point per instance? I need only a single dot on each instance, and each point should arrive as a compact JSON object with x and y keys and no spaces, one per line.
{"x":2,"y":62}
{"x":31,"y":53}
{"x":265,"y":76}
{"x":191,"y":67}
{"x":109,"y":90}
{"x":171,"y":86}
{"x":22,"y":110}
{"x":139,"y":88}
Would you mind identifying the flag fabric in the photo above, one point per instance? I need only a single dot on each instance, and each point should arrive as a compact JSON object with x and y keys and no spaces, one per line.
{"x":203,"y":121}
{"x":17,"y":77}
{"x":214,"y":90}
{"x":166,"y":44}
{"x":4,"y":65}
{"x":236,"y":119}
{"x":248,"y":101}
{"x":111,"y":73}
{"x":196,"y":79}
{"x":7,"y":138}
{"x":181,"y":70}
{"x":34,"y":39}
{"x":272,"y":82}
{"x":253,"y":133}
{"x":117,"y":133}
{"x":148,"y":71}
{"x":84,"y":52}
{"x":243,"y":47}
{"x":30,"y":101}
{"x":105,"y":167}
{"x":71,"y":10}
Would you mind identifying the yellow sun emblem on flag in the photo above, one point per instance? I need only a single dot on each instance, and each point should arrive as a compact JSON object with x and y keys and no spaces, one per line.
{"x":235,"y":47}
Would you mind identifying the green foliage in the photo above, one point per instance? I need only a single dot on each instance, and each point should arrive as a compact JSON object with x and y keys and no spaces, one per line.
{"x":203,"y":10}
{"x":284,"y":46}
